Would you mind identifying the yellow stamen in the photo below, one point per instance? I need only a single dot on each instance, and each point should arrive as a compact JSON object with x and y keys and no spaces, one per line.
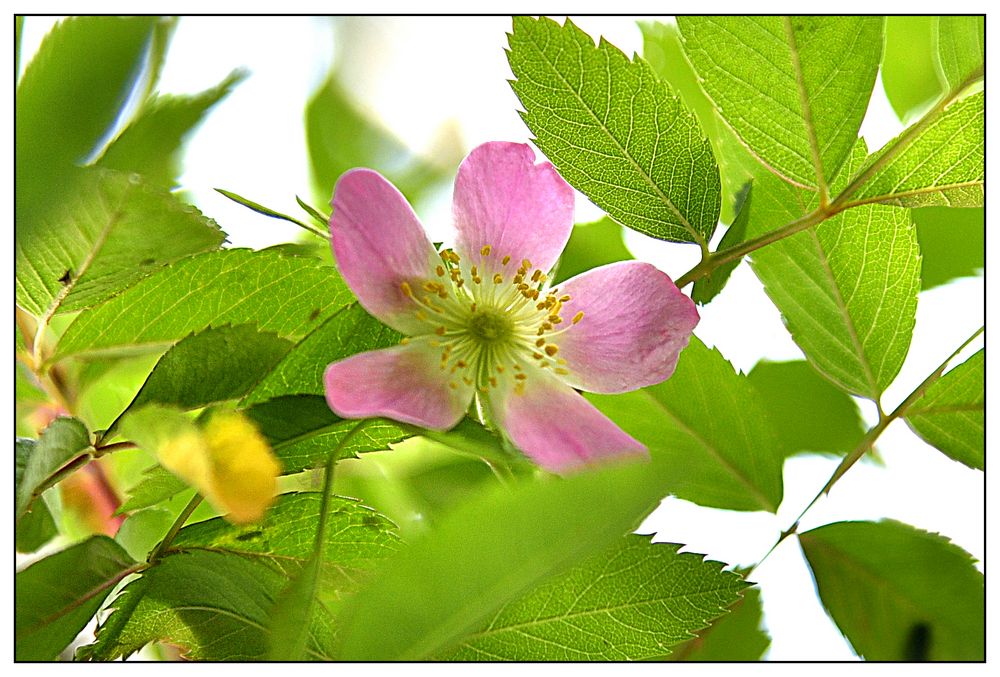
{"x":551,"y":349}
{"x":440,"y":331}
{"x":485,"y":251}
{"x":540,"y":342}
{"x":578,"y":317}
{"x":440,"y":271}
{"x":520,"y":377}
{"x":561,"y":371}
{"x":505,"y":260}
{"x":498,"y":279}
{"x":537,"y":274}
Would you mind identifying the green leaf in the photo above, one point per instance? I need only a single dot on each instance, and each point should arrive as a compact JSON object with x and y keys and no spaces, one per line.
{"x":951,"y":415}
{"x":815,"y":415}
{"x":214,"y":365}
{"x":615,"y":131}
{"x":339,"y":137}
{"x":737,"y":636}
{"x":707,"y":288}
{"x":61,"y":442}
{"x":303,"y":431}
{"x":289,"y":296}
{"x":143,"y":531}
{"x":794,"y":89}
{"x":215,"y":606}
{"x":909,"y":74}
{"x":348,"y":331}
{"x":944,"y":166}
{"x":961,"y":46}
{"x":846,"y":288}
{"x":114,"y":231}
{"x":71,"y":94}
{"x":952,"y":243}
{"x":898,"y":593}
{"x":266,"y":211}
{"x":488,"y":552}
{"x":18,"y":29}
{"x":708,"y":426}
{"x":156,"y":485}
{"x":56,"y":596}
{"x":36,"y":527}
{"x":630,"y":602}
{"x":151,"y":144}
{"x":591,"y":245}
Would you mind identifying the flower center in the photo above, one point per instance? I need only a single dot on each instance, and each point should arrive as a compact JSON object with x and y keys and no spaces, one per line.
{"x":491,"y":326}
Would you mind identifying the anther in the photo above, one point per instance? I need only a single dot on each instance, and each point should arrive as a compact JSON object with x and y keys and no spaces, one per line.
{"x":526,"y":264}
{"x":405,"y":288}
{"x":498,"y":279}
{"x":551,"y":349}
{"x":521,"y":377}
{"x":578,"y":317}
{"x":485,"y":251}
{"x":505,"y":260}
{"x":538,"y":356}
{"x":404,"y":340}
{"x":561,"y":371}
{"x":440,"y":271}
{"x":537,"y":274}
{"x":453,"y":385}
{"x":564,"y":298}
{"x":540,"y":342}
{"x":440,"y":331}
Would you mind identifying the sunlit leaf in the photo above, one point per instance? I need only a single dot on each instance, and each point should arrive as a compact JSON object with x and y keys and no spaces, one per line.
{"x":952,"y":243}
{"x":735,"y":636}
{"x":591,"y":245}
{"x":909,"y":74}
{"x":156,"y":485}
{"x":708,"y":287}
{"x":961,"y":46}
{"x":62,"y":441}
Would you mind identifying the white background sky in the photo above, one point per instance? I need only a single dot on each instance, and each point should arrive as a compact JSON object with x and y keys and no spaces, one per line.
{"x":426,"y":73}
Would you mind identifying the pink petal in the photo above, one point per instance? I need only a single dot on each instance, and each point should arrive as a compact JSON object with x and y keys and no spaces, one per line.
{"x":635,"y":324}
{"x":556,"y":427}
{"x":520,"y":209}
{"x":379,"y":243}
{"x":405,"y":383}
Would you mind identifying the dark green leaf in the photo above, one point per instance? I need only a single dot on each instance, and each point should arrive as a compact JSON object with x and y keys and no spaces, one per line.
{"x":591,"y":245}
{"x":151,"y":144}
{"x":707,"y":288}
{"x":898,"y":593}
{"x":961,"y":46}
{"x":214,"y":365}
{"x":303,"y":431}
{"x":809,"y":413}
{"x":794,"y":89}
{"x":56,"y":596}
{"x":157,"y":485}
{"x":708,"y":426}
{"x":909,"y":75}
{"x":289,"y":296}
{"x":615,"y":131}
{"x":114,"y":231}
{"x":951,"y":415}
{"x":952,"y":243}
{"x":736,"y":636}
{"x":488,"y":552}
{"x":62,"y":441}
{"x":630,"y":602}
{"x":36,"y":527}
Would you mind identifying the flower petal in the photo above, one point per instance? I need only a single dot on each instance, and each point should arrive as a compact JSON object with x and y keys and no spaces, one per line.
{"x":504,"y":200}
{"x":556,"y":426}
{"x":635,"y":324}
{"x":379,"y":243}
{"x":405,"y":383}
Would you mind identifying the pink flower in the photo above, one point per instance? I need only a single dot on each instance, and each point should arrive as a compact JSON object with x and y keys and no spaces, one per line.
{"x":483,"y":322}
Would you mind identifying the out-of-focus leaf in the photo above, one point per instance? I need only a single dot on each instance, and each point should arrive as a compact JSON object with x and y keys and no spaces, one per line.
{"x":62,"y":441}
{"x":707,"y":288}
{"x":809,"y":413}
{"x":951,"y":415}
{"x":591,"y":245}
{"x":630,"y":602}
{"x":944,"y":166}
{"x":143,"y":530}
{"x":36,"y":527}
{"x":898,"y":593}
{"x":709,"y":427}
{"x":151,"y":144}
{"x":56,"y":596}
{"x":157,"y":485}
{"x":909,"y":75}
{"x":736,"y":636}
{"x":289,"y":296}
{"x":952,"y":243}
{"x":961,"y":47}
{"x":112,"y":232}
{"x":794,"y":89}
{"x":615,"y":131}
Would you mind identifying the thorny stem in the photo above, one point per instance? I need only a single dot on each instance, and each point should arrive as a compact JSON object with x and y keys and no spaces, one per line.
{"x":710,"y":262}
{"x":869,"y":439}
{"x":174,"y":528}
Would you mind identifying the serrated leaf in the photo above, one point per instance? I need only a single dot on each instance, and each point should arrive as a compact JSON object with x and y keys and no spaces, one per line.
{"x":615,"y":131}
{"x":61,"y":442}
{"x":156,"y":485}
{"x":951,"y":415}
{"x":736,"y":636}
{"x":631,"y":602}
{"x":348,"y":331}
{"x":303,"y":431}
{"x":591,"y":245}
{"x":943,"y":166}
{"x":952,"y":243}
{"x":56,"y":596}
{"x":961,"y":46}
{"x":794,"y":89}
{"x":846,"y":288}
{"x":213,"y":605}
{"x":488,"y":552}
{"x":36,"y":527}
{"x":707,"y":288}
{"x":707,"y":425}
{"x":289,"y":296}
{"x":909,"y":74}
{"x":151,"y":144}
{"x":815,"y":415}
{"x":898,"y":593}
{"x":214,"y":365}
{"x":112,"y":232}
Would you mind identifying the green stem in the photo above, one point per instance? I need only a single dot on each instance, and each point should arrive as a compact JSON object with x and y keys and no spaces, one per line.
{"x":331,"y":464}
{"x":174,"y":528}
